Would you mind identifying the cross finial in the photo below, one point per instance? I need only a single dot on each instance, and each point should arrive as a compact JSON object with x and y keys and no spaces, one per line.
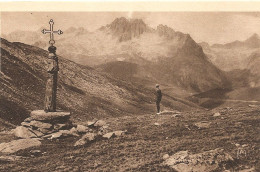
{"x":51,"y":32}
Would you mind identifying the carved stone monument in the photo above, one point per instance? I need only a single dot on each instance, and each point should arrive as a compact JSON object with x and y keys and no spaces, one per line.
{"x":51,"y":85}
{"x":50,"y":112}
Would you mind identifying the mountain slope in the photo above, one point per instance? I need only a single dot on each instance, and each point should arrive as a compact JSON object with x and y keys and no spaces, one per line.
{"x":81,"y":90}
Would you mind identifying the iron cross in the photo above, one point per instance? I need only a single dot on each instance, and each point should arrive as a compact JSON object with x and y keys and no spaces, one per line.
{"x":51,"y":32}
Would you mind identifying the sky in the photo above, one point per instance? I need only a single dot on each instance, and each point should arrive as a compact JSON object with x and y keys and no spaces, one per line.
{"x":211,"y":27}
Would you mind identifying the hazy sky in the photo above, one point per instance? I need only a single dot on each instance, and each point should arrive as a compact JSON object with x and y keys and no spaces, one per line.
{"x":212,"y":27}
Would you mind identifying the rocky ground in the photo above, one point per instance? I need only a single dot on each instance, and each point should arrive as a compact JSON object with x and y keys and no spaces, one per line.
{"x":150,"y":142}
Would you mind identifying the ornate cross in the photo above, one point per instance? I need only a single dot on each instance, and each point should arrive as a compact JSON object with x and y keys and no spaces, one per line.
{"x":51,"y":32}
{"x":52,"y":69}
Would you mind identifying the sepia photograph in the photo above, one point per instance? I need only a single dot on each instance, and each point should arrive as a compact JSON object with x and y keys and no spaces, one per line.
{"x":131,"y":86}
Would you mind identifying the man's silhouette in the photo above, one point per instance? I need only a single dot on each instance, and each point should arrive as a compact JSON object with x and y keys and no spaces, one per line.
{"x":158,"y":98}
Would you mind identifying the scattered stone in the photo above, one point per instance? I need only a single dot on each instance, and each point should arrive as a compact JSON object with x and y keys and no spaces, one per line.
{"x":157,"y":124}
{"x":25,"y":124}
{"x":82,"y":129}
{"x":202,"y":124}
{"x":248,"y":170}
{"x":166,"y":156}
{"x":59,"y":126}
{"x":85,"y":139}
{"x":29,"y":119}
{"x":217,"y":114}
{"x":23,"y":132}
{"x":109,"y":135}
{"x":119,"y":133}
{"x":91,"y":123}
{"x":44,"y":130}
{"x":17,"y":145}
{"x":253,"y":106}
{"x":89,"y":136}
{"x":206,"y":161}
{"x":37,"y":133}
{"x":39,"y":124}
{"x":80,"y":142}
{"x":40,"y":115}
{"x":64,"y":133}
{"x":100,"y":123}
{"x":56,"y":135}
{"x":73,"y":131}
{"x":187,"y":126}
{"x":176,"y":115}
{"x":9,"y":158}
{"x":36,"y":152}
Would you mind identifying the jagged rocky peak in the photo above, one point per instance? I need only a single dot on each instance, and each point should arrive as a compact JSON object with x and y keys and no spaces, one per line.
{"x":169,"y":33}
{"x":164,"y":30}
{"x":126,"y":29}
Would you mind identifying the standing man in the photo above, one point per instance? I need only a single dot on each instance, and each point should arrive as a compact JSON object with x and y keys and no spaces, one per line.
{"x":158,"y":98}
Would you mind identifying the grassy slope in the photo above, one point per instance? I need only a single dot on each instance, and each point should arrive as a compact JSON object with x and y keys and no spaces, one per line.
{"x":145,"y":144}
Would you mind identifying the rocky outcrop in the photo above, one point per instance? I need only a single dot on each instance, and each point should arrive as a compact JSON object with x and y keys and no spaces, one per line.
{"x":208,"y":161}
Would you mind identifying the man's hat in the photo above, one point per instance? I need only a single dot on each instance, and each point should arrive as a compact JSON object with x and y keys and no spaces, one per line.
{"x":157,"y":85}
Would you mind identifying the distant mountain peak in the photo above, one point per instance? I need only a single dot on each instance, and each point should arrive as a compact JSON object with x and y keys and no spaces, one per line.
{"x":254,"y":37}
{"x":253,"y":41}
{"x":126,"y":29}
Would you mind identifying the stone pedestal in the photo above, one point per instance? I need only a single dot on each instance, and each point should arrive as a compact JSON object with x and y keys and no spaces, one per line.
{"x":41,"y":115}
{"x":41,"y":123}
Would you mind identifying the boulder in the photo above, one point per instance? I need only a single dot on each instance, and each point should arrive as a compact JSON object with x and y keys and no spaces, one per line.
{"x":40,"y":115}
{"x":100,"y":123}
{"x":207,"y":161}
{"x":16,"y":145}
{"x":23,"y":132}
